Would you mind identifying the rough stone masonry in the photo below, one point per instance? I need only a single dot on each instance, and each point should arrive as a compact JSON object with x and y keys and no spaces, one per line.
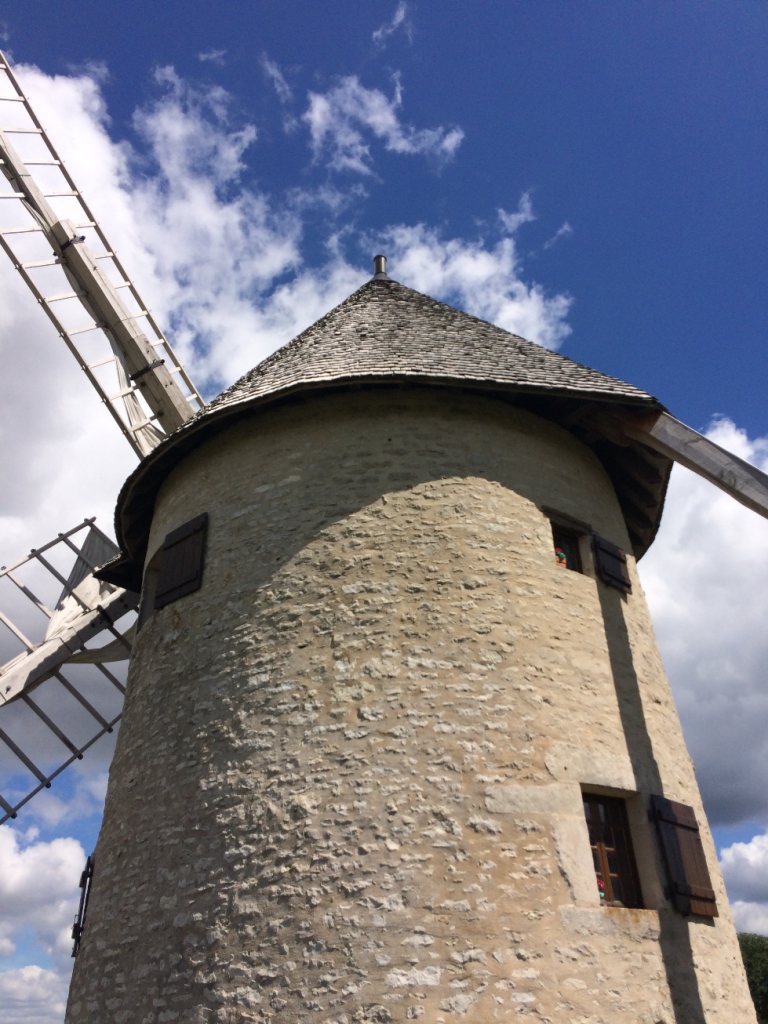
{"x":348,"y":784}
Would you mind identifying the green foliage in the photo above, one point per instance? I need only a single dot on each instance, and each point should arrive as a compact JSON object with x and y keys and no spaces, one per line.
{"x":754,"y":950}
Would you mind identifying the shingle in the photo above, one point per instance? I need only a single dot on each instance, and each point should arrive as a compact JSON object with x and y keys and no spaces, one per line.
{"x":385,"y":330}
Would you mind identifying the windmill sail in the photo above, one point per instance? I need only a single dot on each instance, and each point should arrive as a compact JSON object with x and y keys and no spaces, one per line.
{"x":71,"y":269}
{"x":743,"y":481}
{"x":87,"y":612}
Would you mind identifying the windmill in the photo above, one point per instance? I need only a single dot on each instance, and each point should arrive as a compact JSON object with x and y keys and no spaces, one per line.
{"x":300,"y":696}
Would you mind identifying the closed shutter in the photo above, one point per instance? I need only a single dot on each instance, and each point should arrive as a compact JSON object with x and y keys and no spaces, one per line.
{"x":690,"y":885}
{"x":611,"y":565}
{"x":181,"y":561}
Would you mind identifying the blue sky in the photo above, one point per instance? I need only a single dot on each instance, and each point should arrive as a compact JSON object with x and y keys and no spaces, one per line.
{"x":589,"y":174}
{"x":640,"y":124}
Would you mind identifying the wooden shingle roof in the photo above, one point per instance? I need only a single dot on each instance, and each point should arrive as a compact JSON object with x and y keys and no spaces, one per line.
{"x":385,"y":334}
{"x":385,"y":331}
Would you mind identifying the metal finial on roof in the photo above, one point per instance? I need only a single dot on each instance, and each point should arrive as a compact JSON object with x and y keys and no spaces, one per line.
{"x":380,"y":269}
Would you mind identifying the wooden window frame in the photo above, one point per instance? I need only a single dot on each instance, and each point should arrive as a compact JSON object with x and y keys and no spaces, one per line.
{"x":626,"y":874}
{"x":575,"y":530}
{"x":573,"y":561}
{"x":597,"y":557}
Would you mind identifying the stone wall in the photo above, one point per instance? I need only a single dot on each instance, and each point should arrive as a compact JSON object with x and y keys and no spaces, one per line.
{"x":347,"y":784}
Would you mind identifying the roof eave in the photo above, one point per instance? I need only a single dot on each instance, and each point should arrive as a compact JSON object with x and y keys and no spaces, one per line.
{"x":135,"y":504}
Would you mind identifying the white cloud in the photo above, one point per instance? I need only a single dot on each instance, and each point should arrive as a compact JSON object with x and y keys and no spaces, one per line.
{"x":39,"y":894}
{"x":511,"y":222}
{"x":563,"y":231}
{"x":32,"y":995}
{"x":59,"y":447}
{"x":705,"y":580}
{"x":750,"y":917}
{"x":399,"y":20}
{"x":339,"y":119}
{"x":212,"y":56}
{"x":745,"y":870}
{"x":39,"y":890}
{"x":485,"y":281}
{"x":86,"y":800}
{"x":276,"y":77}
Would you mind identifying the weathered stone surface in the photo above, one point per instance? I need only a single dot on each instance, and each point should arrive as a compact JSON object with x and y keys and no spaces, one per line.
{"x":517,"y":798}
{"x":346,"y":786}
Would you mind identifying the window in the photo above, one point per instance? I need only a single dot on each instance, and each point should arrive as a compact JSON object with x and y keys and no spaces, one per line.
{"x":579,"y":548}
{"x":180,"y":571}
{"x":572,"y":541}
{"x":176,"y":568}
{"x":567,"y":551}
{"x":611,"y":843}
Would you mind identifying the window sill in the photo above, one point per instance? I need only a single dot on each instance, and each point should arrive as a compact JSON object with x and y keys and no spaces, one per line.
{"x":634,"y":924}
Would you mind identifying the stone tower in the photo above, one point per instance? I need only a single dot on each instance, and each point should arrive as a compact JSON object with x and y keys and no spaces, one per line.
{"x":397,"y":743}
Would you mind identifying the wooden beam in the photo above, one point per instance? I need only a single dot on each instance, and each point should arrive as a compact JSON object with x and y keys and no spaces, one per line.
{"x":743,"y":481}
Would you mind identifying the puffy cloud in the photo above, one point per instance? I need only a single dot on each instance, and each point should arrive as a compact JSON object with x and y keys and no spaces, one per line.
{"x":339,"y":119}
{"x":399,"y":20}
{"x":745,"y":870}
{"x":32,"y":995}
{"x":483,"y":280}
{"x":39,"y":893}
{"x":705,"y":581}
{"x":85,"y":791}
{"x":750,"y":917}
{"x":39,"y":890}
{"x":59,"y":448}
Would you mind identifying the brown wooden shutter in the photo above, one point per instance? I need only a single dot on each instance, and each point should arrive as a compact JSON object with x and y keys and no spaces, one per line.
{"x":690,"y":885}
{"x":611,"y":565}
{"x":181,"y":561}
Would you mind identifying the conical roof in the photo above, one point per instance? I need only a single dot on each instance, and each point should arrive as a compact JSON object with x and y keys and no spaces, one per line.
{"x":385,"y":334}
{"x":385,"y":331}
